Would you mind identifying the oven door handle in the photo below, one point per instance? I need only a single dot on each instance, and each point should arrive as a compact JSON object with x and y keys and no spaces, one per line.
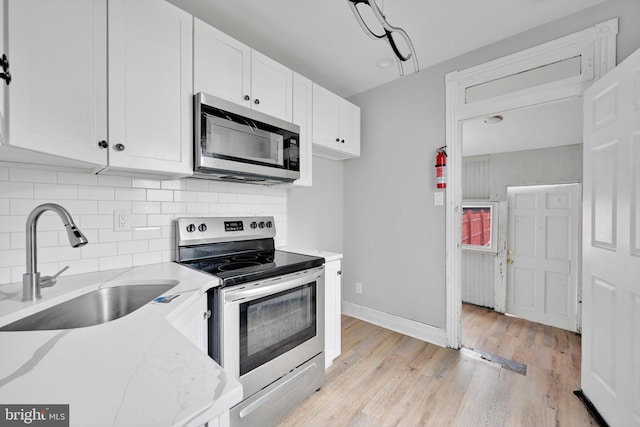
{"x":265,"y":289}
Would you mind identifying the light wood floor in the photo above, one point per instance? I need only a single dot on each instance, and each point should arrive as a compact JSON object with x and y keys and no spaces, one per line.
{"x":384,"y":378}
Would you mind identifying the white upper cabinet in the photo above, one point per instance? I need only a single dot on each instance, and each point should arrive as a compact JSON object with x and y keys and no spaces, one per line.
{"x":222,"y":65}
{"x":336,"y":125}
{"x":302,"y":116}
{"x":55,"y":109}
{"x":150,"y":87}
{"x":228,"y":69}
{"x":271,"y":87}
{"x":56,"y":101}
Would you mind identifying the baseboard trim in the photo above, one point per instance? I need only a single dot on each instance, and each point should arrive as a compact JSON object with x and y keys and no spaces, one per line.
{"x":395,"y":323}
{"x":593,"y":411}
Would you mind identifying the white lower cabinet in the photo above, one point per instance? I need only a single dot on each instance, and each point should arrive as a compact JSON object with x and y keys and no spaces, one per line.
{"x":192,"y":322}
{"x":333,"y":310}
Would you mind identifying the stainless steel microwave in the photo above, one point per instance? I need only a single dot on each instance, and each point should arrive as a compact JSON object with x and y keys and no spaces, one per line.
{"x":235,"y":143}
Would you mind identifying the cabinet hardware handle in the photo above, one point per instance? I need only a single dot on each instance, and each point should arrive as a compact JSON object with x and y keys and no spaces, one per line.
{"x":118,"y":147}
{"x":339,"y":272}
{"x":5,"y":75}
{"x":103,"y":144}
{"x":207,"y":314}
{"x":337,"y":139}
{"x":257,"y":101}
{"x":247,"y":97}
{"x":342,"y":141}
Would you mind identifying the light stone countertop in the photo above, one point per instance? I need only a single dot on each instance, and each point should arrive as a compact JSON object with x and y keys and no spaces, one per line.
{"x":138,"y":370}
{"x":328,"y":256}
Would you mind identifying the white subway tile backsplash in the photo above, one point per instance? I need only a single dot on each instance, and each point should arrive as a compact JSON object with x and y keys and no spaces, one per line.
{"x":160,"y":195}
{"x":131,"y":194}
{"x":133,"y":247}
{"x":95,"y":193}
{"x":173,"y":208}
{"x":92,"y":200}
{"x":119,"y":261}
{"x":114,"y":181}
{"x":32,"y":175}
{"x":16,"y":190}
{"x":197,"y":185}
{"x":12,"y":257}
{"x":5,"y":206}
{"x":147,"y":233}
{"x":97,"y":250}
{"x":106,"y":235}
{"x":147,"y":258}
{"x":146,"y":207}
{"x":77,"y":178}
{"x":95,"y":221}
{"x":55,"y":191}
{"x":177,"y":184}
{"x":145,"y":183}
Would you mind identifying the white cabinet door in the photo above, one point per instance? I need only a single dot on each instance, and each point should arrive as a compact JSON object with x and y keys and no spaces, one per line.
{"x":150,"y":87}
{"x":326,"y":117}
{"x":192,"y":323}
{"x":302,"y":116}
{"x":333,"y":311}
{"x":349,"y":128}
{"x":222,"y":65}
{"x":4,"y":88}
{"x":271,"y":87}
{"x":58,"y":62}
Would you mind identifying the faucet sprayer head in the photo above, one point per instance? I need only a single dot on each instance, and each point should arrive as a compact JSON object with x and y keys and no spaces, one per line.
{"x":76,"y":237}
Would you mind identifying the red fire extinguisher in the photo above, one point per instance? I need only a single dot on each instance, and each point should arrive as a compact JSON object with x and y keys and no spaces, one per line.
{"x":441,"y":168}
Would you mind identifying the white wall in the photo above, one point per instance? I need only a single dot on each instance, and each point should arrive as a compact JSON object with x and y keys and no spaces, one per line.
{"x":91,"y":200}
{"x":315,"y":214}
{"x":394,"y":238}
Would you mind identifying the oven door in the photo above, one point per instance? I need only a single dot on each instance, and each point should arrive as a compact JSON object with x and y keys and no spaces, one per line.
{"x":270,"y":327}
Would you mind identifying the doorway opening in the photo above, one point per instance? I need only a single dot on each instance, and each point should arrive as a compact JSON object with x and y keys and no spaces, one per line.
{"x":503,"y":90}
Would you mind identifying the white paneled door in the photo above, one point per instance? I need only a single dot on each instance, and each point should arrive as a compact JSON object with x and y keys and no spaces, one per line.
{"x":611,"y":276}
{"x":543,"y":245}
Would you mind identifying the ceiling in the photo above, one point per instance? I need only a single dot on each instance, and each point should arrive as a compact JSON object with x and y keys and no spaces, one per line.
{"x":321,"y":39}
{"x":541,"y":126}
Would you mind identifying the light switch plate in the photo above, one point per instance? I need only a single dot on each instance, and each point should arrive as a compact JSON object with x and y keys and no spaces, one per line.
{"x":438,"y":198}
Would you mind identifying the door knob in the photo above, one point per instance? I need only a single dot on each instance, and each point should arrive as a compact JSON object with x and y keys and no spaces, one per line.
{"x":247,"y":97}
{"x":509,"y":252}
{"x":256,"y":101}
{"x":509,"y":261}
{"x":103,"y":144}
{"x":119,"y":147}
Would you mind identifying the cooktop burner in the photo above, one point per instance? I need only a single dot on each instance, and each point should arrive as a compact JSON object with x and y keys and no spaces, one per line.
{"x":237,"y":250}
{"x":235,"y":269}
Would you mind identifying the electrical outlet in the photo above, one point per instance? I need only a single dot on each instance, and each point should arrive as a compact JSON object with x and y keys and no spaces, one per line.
{"x":438,"y":198}
{"x":121,"y":221}
{"x":358,"y":288}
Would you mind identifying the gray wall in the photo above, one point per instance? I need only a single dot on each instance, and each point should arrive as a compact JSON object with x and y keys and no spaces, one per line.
{"x":315,"y":214}
{"x":494,"y":172}
{"x":394,"y":238}
{"x":487,"y":177}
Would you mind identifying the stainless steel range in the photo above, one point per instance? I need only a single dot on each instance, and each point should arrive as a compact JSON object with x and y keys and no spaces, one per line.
{"x":267,"y":323}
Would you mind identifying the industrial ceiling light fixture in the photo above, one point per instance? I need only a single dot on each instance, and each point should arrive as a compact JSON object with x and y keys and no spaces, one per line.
{"x":378,"y":28}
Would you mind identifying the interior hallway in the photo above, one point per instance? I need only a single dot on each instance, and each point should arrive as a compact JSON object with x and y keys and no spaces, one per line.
{"x":384,"y":378}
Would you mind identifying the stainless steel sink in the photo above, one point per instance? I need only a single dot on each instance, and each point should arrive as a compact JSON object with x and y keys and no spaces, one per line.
{"x":93,"y":308}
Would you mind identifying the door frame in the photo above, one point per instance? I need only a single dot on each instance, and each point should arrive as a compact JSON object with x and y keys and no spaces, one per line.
{"x":597,"y":47}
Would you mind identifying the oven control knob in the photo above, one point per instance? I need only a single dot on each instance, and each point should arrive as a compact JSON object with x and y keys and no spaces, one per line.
{"x":202,"y":227}
{"x":191,"y":228}
{"x":261,"y":225}
{"x":254,"y":224}
{"x":269,"y":224}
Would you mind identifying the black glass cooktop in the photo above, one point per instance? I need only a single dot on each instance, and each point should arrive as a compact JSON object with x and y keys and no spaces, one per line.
{"x":247,"y":266}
